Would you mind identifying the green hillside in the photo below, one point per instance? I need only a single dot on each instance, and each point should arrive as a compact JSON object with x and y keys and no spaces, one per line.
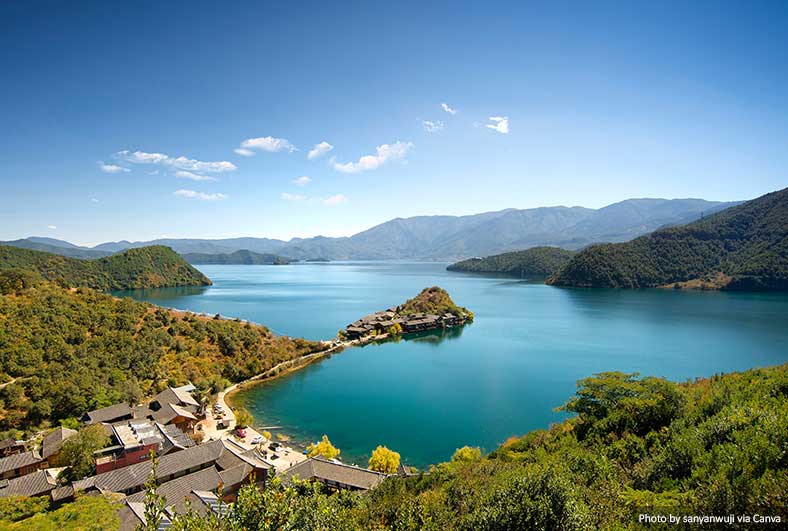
{"x":536,"y":261}
{"x":434,"y":300}
{"x":145,"y":267}
{"x":743,"y":247}
{"x":64,"y":352}
{"x":243,"y":257}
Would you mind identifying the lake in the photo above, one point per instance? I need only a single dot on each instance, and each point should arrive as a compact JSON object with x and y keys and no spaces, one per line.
{"x":503,"y":375}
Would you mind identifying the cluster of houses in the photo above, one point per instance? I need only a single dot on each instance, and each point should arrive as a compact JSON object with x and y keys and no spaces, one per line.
{"x":205,"y":477}
{"x":388,"y":320}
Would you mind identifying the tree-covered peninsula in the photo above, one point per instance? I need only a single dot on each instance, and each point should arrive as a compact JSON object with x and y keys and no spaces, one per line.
{"x":744,"y":247}
{"x":536,"y":261}
{"x":145,"y":267}
{"x":242,"y":257}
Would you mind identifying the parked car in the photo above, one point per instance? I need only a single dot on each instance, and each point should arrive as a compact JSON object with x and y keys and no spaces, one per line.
{"x":257,"y":439}
{"x":240,"y":432}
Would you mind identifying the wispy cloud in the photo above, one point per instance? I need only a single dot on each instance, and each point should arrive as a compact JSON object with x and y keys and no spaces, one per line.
{"x":499,"y":124}
{"x":302,"y":181}
{"x":191,"y":194}
{"x":445,"y":107}
{"x":337,"y":199}
{"x":180,"y":163}
{"x":52,"y":227}
{"x":432,"y":127}
{"x":292,"y":197}
{"x":183,"y":174}
{"x":383,"y":154}
{"x":264,"y":143}
{"x":111,"y":168}
{"x":94,"y":200}
{"x":320,"y":149}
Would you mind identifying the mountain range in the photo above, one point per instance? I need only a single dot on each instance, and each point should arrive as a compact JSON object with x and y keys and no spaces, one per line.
{"x":441,"y":238}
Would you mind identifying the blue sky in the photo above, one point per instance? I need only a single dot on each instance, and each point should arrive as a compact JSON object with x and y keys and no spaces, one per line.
{"x":104,"y":104}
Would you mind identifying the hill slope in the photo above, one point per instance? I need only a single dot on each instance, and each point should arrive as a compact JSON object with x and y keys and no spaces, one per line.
{"x":49,"y":245}
{"x":536,"y":261}
{"x":147,"y":267}
{"x":244,"y":257}
{"x":743,"y":247}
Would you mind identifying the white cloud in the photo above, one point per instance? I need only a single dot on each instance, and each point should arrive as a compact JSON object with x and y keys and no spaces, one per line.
{"x":500,"y":124}
{"x":51,"y":227}
{"x":337,"y":199}
{"x":384,"y":153}
{"x":182,"y":174}
{"x":264,"y":143}
{"x":292,"y":197}
{"x":302,"y":181}
{"x":94,"y":200}
{"x":320,"y":149}
{"x":181,"y":163}
{"x":191,"y":194}
{"x":432,"y":127}
{"x":445,"y":107}
{"x":112,"y":168}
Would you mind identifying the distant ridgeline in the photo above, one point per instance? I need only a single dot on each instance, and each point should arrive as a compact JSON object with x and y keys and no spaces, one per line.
{"x":536,"y":261}
{"x":744,"y":247}
{"x":243,"y":257}
{"x":144,"y":267}
{"x":429,"y":310}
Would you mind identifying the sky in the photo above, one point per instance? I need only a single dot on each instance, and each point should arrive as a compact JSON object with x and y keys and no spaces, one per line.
{"x":143,"y":120}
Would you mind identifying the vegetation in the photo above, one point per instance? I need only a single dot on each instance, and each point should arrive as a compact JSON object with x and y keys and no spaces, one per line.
{"x":238,"y":257}
{"x":77,"y":451}
{"x":743,"y":247}
{"x":433,"y":300}
{"x":64,"y":352}
{"x":243,"y":418}
{"x":145,"y":267}
{"x":324,"y":448}
{"x":536,"y":261}
{"x":384,"y":460}
{"x":87,"y":513}
{"x":635,"y":445}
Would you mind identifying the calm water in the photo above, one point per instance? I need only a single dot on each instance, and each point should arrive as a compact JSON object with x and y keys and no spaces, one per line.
{"x":500,"y":376}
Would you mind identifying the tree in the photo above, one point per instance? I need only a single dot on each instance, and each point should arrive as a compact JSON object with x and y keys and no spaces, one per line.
{"x":243,"y":418}
{"x":384,"y":460}
{"x":267,"y":435}
{"x":154,"y":502}
{"x":466,"y":454}
{"x":323,"y":448}
{"x":77,"y":451}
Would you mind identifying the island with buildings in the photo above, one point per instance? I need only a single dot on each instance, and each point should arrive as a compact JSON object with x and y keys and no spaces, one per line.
{"x":432,"y":309}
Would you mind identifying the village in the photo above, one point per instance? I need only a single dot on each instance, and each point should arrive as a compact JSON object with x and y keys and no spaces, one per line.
{"x":203,"y":458}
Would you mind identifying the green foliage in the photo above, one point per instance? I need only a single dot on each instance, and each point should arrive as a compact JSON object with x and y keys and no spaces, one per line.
{"x":466,"y":454}
{"x":432,"y":300}
{"x":72,"y":351}
{"x":87,"y":513}
{"x":77,"y":451}
{"x":384,"y":460}
{"x":536,"y":261}
{"x":323,"y":448}
{"x":238,"y":257}
{"x":145,"y":267}
{"x":14,"y":508}
{"x":743,"y":247}
{"x":242,"y":417}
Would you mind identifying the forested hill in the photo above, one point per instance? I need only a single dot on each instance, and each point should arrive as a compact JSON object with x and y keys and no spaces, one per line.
{"x":64,"y":352}
{"x":536,"y":261}
{"x":743,"y":247}
{"x":145,"y":267}
{"x":244,"y":257}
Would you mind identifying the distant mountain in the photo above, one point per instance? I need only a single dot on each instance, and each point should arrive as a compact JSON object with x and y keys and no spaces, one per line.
{"x":536,"y":261}
{"x":244,"y":257}
{"x":49,"y":245}
{"x":451,"y":238}
{"x":149,"y":267}
{"x":743,"y":247}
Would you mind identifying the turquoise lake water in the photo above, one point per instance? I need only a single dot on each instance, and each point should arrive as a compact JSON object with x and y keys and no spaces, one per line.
{"x":501,"y":376}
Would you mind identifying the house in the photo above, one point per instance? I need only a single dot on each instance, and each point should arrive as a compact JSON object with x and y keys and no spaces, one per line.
{"x":17,"y":465}
{"x":176,"y":415}
{"x":11,"y":447}
{"x":109,"y":414}
{"x":136,"y":439}
{"x":53,"y":442}
{"x":131,"y":479}
{"x":132,"y":513}
{"x":176,"y":405}
{"x":334,"y":474}
{"x":38,"y":483}
{"x":180,"y":396}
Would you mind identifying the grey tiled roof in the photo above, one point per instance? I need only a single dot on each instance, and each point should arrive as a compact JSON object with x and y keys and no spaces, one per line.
{"x":34,"y":484}
{"x":52,"y":442}
{"x":177,"y":490}
{"x":109,"y":413}
{"x":17,"y":461}
{"x":325,"y":470}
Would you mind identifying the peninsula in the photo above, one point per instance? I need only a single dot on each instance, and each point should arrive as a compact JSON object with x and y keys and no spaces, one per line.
{"x":431,"y":309}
